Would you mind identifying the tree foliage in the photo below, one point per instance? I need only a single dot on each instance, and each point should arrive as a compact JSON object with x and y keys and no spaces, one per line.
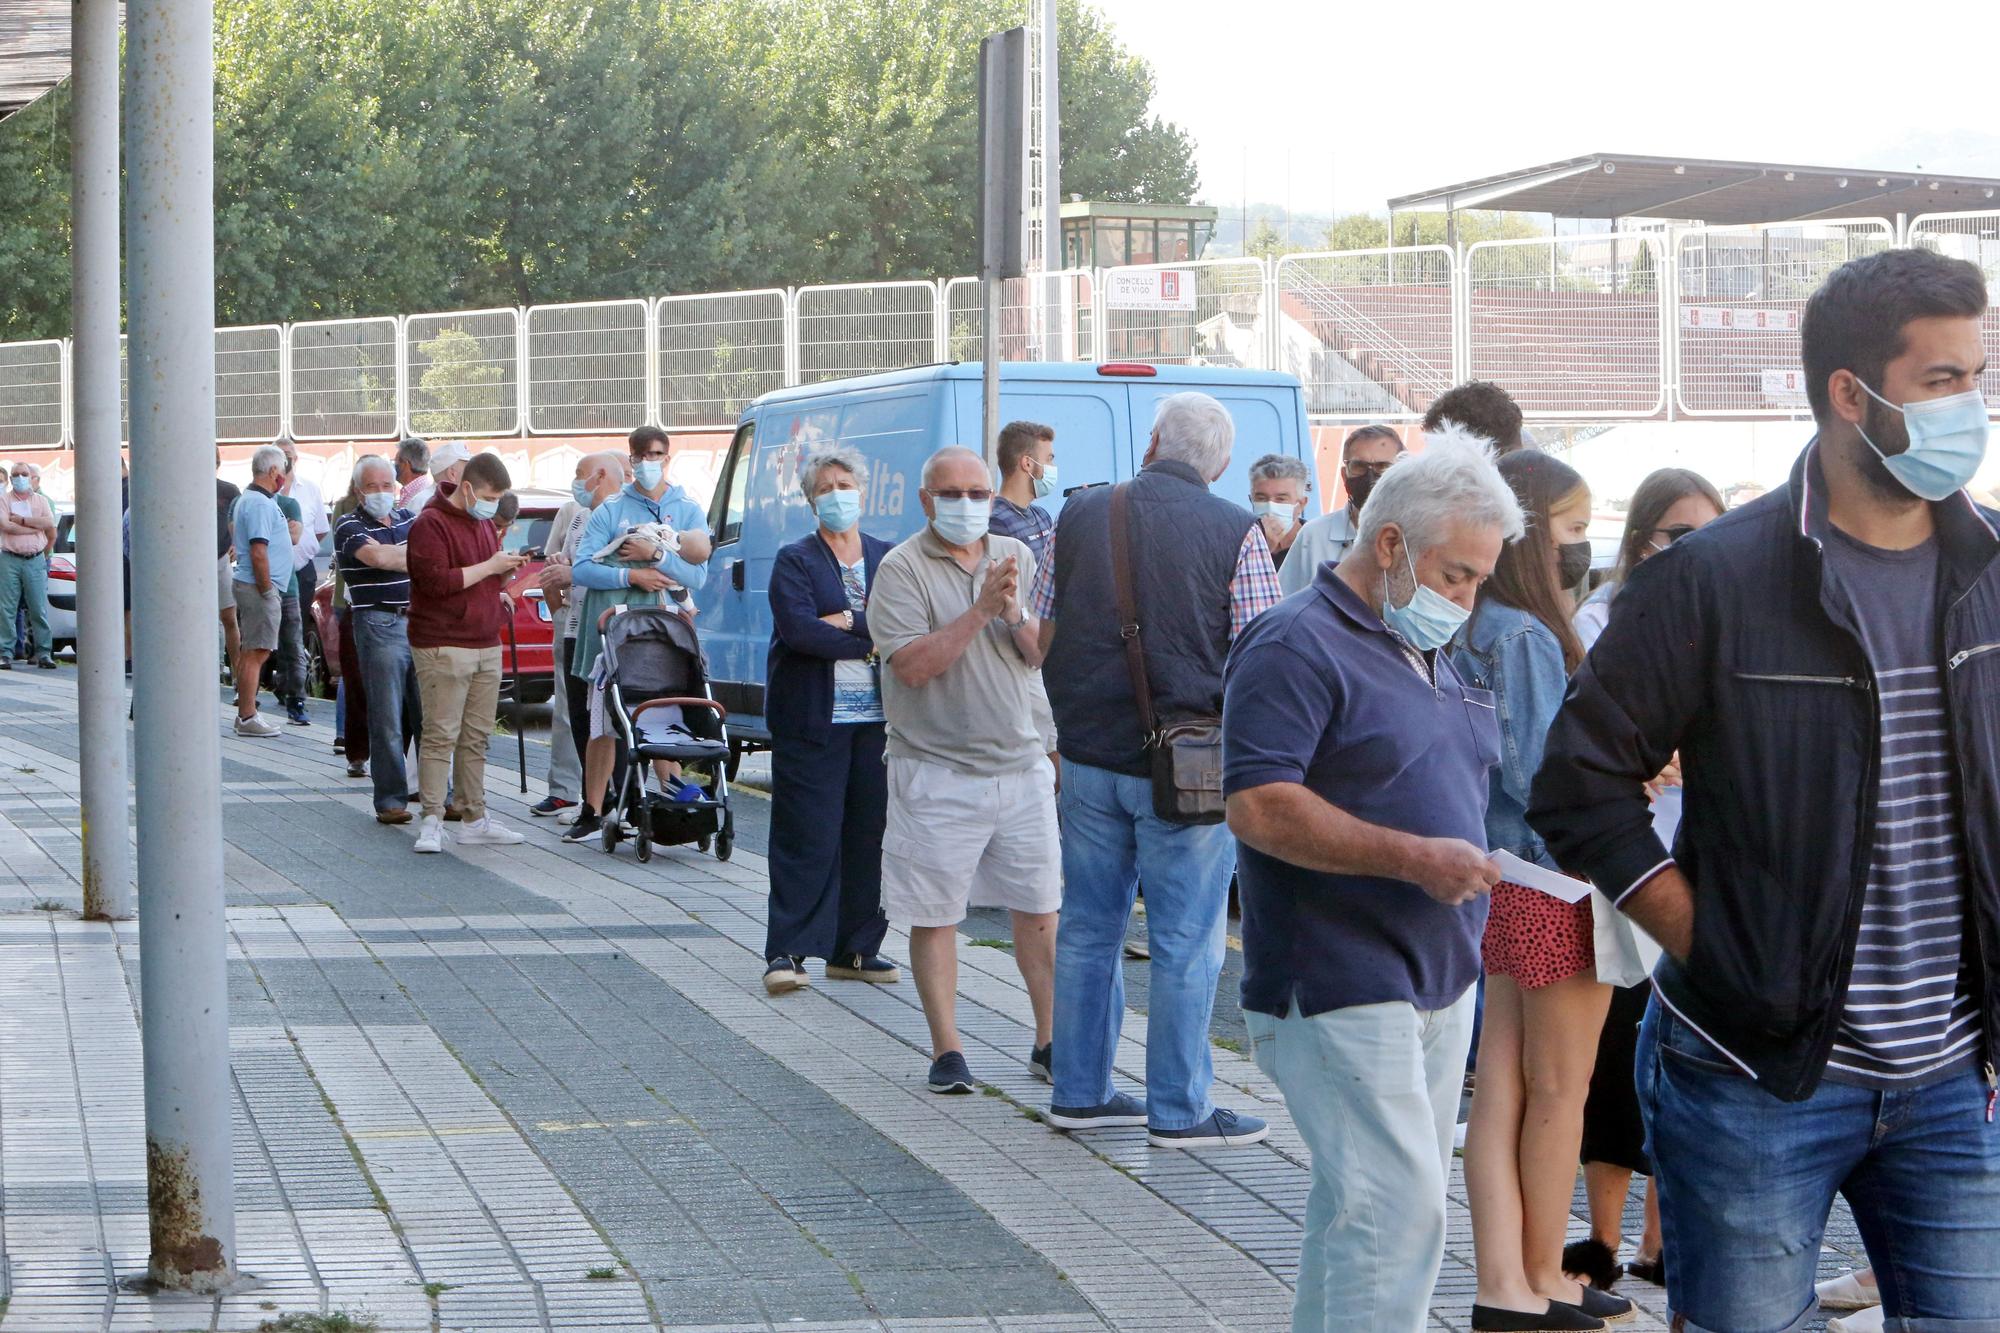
{"x":421,"y":155}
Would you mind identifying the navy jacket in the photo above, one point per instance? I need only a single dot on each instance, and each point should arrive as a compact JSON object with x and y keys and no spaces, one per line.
{"x":1733,"y":648}
{"x":805,"y":585}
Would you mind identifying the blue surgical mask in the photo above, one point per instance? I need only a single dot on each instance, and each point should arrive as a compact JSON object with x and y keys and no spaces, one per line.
{"x":649,"y":471}
{"x":582,"y":494}
{"x":21,"y":485}
{"x":961,"y":522}
{"x":838,"y":510}
{"x":485,"y":508}
{"x":1272,"y":509}
{"x":1045,"y":485}
{"x":1428,"y":619}
{"x":1947,"y":443}
{"x":379,"y":504}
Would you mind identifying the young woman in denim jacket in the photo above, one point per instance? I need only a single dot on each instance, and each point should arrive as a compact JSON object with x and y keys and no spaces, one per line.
{"x":1544,"y":1006}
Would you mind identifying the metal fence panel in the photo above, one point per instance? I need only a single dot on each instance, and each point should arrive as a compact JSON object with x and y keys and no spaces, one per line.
{"x":1569,"y":325}
{"x":1043,"y":317}
{"x":1224,"y":321}
{"x":589,"y":367}
{"x":462,"y":372}
{"x":342,"y":376}
{"x":1974,"y":237}
{"x":1739,"y":294}
{"x":717,"y":352}
{"x":32,"y":394}
{"x":1369,"y":332}
{"x":863,"y":328}
{"x":249,"y":383}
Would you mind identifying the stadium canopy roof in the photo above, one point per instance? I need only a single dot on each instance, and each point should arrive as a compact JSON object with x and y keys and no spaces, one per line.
{"x":1616,"y":185}
{"x":34,"y":50}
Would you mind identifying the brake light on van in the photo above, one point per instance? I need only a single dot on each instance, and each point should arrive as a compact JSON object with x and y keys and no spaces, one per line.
{"x":1136,"y":370}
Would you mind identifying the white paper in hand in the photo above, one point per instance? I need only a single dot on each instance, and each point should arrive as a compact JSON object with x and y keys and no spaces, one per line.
{"x":1531,"y":876}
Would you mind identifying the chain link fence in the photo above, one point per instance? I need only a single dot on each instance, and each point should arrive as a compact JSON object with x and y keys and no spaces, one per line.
{"x":717,"y":353}
{"x":32,"y":381}
{"x":864,"y":328}
{"x":1369,"y":333}
{"x":343,"y":379}
{"x":1739,"y":295}
{"x":1570,"y":325}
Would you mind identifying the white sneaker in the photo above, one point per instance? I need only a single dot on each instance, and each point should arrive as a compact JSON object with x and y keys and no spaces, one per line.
{"x":256,"y":726}
{"x":569,"y":816}
{"x":1871,"y":1320}
{"x":1847,"y":1292}
{"x":489,"y":831}
{"x":430,"y":835}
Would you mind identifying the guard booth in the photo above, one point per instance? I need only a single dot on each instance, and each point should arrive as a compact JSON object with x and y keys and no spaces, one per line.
{"x":1100,"y":235}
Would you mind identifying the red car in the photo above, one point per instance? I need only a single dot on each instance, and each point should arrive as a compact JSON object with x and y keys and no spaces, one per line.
{"x":529,"y":659}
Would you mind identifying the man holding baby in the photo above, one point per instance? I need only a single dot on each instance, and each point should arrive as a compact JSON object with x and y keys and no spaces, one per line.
{"x":642,"y":546}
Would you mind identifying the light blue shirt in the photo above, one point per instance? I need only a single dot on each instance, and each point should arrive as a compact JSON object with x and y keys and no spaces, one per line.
{"x":258,"y":519}
{"x":677,"y":509}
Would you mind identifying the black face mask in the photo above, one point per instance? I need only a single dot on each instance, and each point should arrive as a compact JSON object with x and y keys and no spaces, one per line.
{"x":1572,"y":563}
{"x":1358,"y":489}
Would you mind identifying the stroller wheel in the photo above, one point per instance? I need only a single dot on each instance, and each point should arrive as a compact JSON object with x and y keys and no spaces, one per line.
{"x":725,"y":841}
{"x":608,"y":839}
{"x":642,"y":833}
{"x":701,"y":843}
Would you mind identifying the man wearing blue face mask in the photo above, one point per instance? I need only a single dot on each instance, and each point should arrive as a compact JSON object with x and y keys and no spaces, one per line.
{"x":598,"y":478}
{"x":1027,"y":455}
{"x":1826,"y":660}
{"x":371,"y":548}
{"x":1355,"y":768}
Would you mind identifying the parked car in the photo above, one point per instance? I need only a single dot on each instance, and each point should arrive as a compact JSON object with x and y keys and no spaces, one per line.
{"x":1102,"y":414}
{"x":62,"y":584}
{"x":534,"y":666}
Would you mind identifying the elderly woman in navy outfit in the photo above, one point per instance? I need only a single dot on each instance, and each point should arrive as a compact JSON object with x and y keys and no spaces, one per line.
{"x":823,"y":704}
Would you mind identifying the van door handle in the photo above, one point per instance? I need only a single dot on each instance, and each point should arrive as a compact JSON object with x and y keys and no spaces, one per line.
{"x":736,"y":575}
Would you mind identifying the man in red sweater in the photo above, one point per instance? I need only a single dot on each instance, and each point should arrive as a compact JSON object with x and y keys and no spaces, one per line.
{"x":456,"y":570}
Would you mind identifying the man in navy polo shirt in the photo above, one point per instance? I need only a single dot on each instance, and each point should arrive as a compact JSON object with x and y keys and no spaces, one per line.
{"x":1355,"y":768}
{"x":372,"y":546}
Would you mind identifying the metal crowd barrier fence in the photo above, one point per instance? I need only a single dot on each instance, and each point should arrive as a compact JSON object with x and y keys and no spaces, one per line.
{"x":1694,"y":321}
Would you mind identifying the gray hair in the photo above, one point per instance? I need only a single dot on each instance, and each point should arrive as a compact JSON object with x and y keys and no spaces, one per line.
{"x":268,"y":456}
{"x":1194,"y":429}
{"x":843,"y":456}
{"x":1452,"y":481}
{"x":366,"y":461}
{"x":415,"y":453}
{"x":952,"y":451}
{"x":1280,"y":467}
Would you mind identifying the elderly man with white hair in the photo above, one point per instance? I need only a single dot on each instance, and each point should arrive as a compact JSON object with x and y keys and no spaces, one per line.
{"x":1199,"y":570}
{"x":1279,"y":486}
{"x":372,"y":547}
{"x":263,"y":541}
{"x":1355,"y":767}
{"x":971,"y":814}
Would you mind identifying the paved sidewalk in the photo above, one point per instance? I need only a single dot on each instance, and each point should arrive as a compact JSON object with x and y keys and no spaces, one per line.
{"x":537,"y":1087}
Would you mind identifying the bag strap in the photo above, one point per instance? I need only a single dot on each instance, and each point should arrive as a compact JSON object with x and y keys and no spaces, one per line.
{"x":1128,"y":611}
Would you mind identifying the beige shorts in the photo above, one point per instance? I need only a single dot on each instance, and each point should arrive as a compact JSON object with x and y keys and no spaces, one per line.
{"x":257,"y":617}
{"x":955,"y":841}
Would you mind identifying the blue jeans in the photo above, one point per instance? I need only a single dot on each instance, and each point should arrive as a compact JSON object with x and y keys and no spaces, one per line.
{"x":1111,"y":839}
{"x":1745,"y":1183}
{"x":389,"y":679}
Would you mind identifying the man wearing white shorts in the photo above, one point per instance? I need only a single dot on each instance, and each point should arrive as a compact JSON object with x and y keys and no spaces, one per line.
{"x":972,"y":815}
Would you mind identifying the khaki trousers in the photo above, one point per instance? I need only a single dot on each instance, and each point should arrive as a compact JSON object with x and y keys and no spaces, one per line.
{"x":460,"y":688}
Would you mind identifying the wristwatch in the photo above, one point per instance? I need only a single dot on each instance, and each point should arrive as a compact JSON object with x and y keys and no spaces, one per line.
{"x":1014,"y":625}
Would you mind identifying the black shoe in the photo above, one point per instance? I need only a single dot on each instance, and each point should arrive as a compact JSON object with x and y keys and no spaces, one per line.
{"x":855,"y":967}
{"x":340,"y":745}
{"x":45,"y":662}
{"x":1486,"y":1319}
{"x":1652,"y":1270}
{"x":949,"y":1074}
{"x":586,"y":827}
{"x":1602,"y":1305}
{"x":781,"y":974}
{"x":1042,"y":1064}
{"x":1592,"y":1262}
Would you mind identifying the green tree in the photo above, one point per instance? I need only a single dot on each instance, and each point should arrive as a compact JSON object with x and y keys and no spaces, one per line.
{"x":1265,"y":240}
{"x":464,"y":391}
{"x":34,"y":224}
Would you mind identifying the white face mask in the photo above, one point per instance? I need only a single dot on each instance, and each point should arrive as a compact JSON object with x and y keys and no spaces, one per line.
{"x":1272,"y":509}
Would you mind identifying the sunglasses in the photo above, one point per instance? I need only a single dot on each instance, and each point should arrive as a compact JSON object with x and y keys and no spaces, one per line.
{"x":978,"y":493}
{"x":1673,"y":534}
{"x":1360,"y":470}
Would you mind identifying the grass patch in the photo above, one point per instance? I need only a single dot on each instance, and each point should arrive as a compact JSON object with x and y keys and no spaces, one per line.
{"x":989,"y":1090}
{"x":1227,"y":1044}
{"x":48,"y":905}
{"x":436,"y":1289}
{"x":602,"y":1274}
{"x":338,"y":1322}
{"x":1030,"y":1113}
{"x":992,"y":944}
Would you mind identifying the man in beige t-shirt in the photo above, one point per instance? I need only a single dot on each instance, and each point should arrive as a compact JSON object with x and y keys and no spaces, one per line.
{"x":972,"y":816}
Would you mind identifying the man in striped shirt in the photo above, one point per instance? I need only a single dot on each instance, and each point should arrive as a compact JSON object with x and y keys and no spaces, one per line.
{"x":371,"y":545}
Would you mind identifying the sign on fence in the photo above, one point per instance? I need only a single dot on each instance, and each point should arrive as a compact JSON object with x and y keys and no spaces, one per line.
{"x":1149,"y":289}
{"x":1735,"y":317}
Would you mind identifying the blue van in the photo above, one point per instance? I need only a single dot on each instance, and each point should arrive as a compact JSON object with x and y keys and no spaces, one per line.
{"x":1102,"y":414}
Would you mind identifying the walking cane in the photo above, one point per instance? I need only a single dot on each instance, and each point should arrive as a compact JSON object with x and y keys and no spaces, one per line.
{"x":514,"y":691}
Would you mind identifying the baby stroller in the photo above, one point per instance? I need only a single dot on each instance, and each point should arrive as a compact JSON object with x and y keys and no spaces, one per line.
{"x":657,"y":699}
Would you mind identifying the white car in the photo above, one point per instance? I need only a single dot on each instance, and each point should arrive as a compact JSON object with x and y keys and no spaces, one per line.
{"x":62,"y":584}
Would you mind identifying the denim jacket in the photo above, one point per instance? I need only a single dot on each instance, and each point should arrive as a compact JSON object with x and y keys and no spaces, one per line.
{"x":1511,"y":653}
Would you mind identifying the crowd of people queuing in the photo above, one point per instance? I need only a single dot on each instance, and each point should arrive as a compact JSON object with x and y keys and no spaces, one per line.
{"x":1746,"y":940}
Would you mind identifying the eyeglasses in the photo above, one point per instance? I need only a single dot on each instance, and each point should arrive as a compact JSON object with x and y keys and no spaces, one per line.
{"x":1673,"y":534}
{"x":980,"y":493}
{"x":1360,"y":470}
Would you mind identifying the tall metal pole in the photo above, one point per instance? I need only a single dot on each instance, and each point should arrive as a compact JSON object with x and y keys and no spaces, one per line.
{"x":169,"y":123}
{"x":100,"y":629}
{"x":1057,"y":342}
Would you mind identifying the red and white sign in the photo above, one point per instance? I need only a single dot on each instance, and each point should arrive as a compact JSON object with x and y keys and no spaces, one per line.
{"x":1743,"y":319}
{"x":1149,"y":289}
{"x":1785,"y":388}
